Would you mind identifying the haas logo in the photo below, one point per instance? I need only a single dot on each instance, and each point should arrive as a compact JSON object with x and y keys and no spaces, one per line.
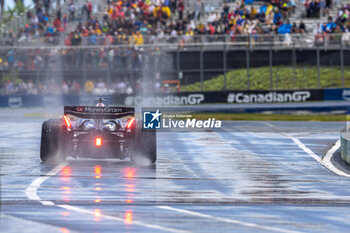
{"x":80,"y":109}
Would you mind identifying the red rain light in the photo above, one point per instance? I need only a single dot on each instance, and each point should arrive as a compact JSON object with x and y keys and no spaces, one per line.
{"x":98,"y":142}
{"x":67,"y":120}
{"x":131,"y":122}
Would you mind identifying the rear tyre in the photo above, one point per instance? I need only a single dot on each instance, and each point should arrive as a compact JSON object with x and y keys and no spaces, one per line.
{"x":53,"y":142}
{"x":45,"y":147}
{"x":145,"y":147}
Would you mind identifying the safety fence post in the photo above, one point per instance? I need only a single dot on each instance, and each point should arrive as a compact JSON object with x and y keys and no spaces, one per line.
{"x":270,"y":66}
{"x":318,"y":66}
{"x":177,"y":61}
{"x":342,"y":64}
{"x":294,"y":61}
{"x":248,"y":65}
{"x":201,"y":67}
{"x":225,"y":65}
{"x":84,"y":65}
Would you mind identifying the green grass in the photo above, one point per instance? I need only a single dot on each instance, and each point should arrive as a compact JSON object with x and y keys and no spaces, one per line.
{"x":267,"y":117}
{"x":41,"y":115}
{"x":283,"y":78}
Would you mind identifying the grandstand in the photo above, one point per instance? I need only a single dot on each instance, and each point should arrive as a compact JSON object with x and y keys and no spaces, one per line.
{"x":115,"y":44}
{"x":161,"y":24}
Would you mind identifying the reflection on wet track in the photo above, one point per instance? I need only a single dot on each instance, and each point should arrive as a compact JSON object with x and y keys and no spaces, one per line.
{"x":247,"y":178}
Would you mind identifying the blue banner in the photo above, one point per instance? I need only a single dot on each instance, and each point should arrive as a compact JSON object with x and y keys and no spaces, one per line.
{"x":228,"y":97}
{"x":336,"y":94}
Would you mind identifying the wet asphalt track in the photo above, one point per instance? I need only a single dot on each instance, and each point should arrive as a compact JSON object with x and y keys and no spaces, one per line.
{"x":250,"y":177}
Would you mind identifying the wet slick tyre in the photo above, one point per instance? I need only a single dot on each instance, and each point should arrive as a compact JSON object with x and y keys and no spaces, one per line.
{"x":52,"y":142}
{"x":145,"y":147}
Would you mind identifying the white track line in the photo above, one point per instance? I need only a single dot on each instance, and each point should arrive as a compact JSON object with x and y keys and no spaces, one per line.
{"x":32,"y":189}
{"x":306,"y":149}
{"x":109,"y":217}
{"x":22,"y":223}
{"x":326,"y":161}
{"x":226,"y":220}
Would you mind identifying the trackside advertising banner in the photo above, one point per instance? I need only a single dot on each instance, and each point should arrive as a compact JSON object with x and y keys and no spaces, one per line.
{"x":229,"y":97}
{"x":274,"y":96}
{"x":18,"y":101}
{"x":337,"y":94}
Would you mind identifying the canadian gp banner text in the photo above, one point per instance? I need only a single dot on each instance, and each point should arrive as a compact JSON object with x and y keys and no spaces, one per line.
{"x":230,"y":97}
{"x":173,"y":99}
{"x":274,"y":96}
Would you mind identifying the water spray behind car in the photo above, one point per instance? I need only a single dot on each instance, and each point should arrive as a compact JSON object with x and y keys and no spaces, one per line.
{"x":153,"y":65}
{"x":149,"y":63}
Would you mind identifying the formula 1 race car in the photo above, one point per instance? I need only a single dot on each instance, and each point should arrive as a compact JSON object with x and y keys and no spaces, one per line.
{"x":97,"y":132}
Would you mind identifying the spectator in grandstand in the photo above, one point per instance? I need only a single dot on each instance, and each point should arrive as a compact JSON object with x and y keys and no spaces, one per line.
{"x":11,"y":59}
{"x":138,"y":38}
{"x":64,"y":87}
{"x":329,"y":4}
{"x":285,"y":28}
{"x":225,"y":10}
{"x":71,"y":11}
{"x":31,"y":88}
{"x":87,"y":9}
{"x":198,"y":9}
{"x":277,"y":19}
{"x":181,"y":9}
{"x":89,"y":86}
{"x":330,"y":26}
{"x":294,"y":28}
{"x":57,"y":24}
{"x":47,"y":5}
{"x":313,"y":8}
{"x":302,"y":27}
{"x":76,"y":38}
{"x":74,"y":88}
{"x":318,"y":34}
{"x":9,"y":88}
{"x":120,"y":86}
{"x":346,"y":38}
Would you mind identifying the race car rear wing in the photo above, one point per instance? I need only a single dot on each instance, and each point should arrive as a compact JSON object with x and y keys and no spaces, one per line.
{"x":89,"y":112}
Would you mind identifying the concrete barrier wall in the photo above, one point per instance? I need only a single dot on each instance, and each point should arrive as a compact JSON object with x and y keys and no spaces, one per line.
{"x":345,"y":145}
